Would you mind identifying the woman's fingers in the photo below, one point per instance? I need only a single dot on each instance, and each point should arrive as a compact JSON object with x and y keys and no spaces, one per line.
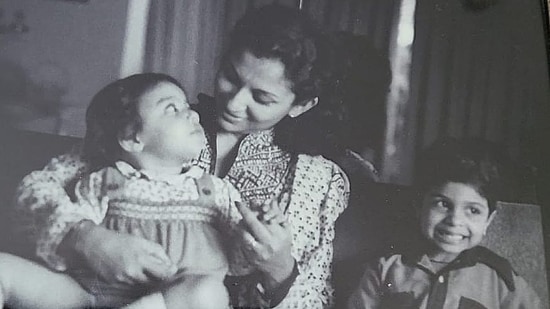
{"x":250,"y":242}
{"x":253,"y":225}
{"x":156,"y":251}
{"x":134,"y":277}
{"x":157,"y":264}
{"x":159,"y":271}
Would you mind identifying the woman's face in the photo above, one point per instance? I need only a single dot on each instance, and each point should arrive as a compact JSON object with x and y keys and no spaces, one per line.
{"x":252,"y":94}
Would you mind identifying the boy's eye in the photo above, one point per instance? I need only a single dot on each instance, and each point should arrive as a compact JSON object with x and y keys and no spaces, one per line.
{"x":474,"y":210}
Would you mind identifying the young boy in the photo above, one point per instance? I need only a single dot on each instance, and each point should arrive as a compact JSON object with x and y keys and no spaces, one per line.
{"x":458,"y":185}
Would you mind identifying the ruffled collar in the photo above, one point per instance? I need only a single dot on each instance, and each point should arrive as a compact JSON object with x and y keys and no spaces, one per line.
{"x":131,"y":172}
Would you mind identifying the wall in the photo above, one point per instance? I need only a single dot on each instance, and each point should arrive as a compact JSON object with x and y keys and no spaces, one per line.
{"x":70,"y":51}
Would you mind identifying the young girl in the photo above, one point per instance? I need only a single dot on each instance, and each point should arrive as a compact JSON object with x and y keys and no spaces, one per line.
{"x":141,"y":138}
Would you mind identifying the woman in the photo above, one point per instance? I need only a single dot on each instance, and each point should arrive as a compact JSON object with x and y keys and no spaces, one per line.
{"x":276,"y":109}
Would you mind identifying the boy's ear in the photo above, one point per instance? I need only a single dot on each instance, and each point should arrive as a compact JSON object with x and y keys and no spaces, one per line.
{"x":489,"y":220}
{"x":302,"y":107}
{"x":130,"y":142}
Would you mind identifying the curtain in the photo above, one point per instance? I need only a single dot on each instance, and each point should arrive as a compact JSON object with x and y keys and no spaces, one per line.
{"x":475,"y":72}
{"x":372,"y":18}
{"x":184,"y":39}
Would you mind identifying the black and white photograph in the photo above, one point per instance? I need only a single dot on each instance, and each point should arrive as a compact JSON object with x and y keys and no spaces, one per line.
{"x":215,"y":154}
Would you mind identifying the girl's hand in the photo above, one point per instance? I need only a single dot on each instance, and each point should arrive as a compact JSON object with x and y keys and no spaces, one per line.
{"x":267,"y":245}
{"x":123,"y":258}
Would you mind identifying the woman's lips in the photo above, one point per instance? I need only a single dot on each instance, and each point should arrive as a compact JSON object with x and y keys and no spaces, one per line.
{"x":230,"y":117}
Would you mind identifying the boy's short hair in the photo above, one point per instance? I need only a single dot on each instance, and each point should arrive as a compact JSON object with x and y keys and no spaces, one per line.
{"x":470,"y":161}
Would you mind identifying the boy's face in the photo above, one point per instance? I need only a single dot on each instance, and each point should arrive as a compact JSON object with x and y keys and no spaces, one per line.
{"x":170,"y":129}
{"x":454,"y":217}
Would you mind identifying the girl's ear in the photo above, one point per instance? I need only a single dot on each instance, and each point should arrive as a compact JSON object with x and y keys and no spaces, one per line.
{"x":131,"y":143}
{"x":300,"y":108}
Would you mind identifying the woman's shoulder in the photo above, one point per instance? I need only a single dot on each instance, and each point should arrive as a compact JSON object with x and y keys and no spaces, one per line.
{"x":321,"y":175}
{"x":320,"y":165}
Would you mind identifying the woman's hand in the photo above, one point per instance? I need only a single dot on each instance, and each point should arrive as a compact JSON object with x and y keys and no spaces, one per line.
{"x":118,"y":257}
{"x":267,"y":243}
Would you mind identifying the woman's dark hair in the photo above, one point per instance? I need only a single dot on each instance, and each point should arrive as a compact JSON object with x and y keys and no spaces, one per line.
{"x":470,"y":161}
{"x":367,"y":85}
{"x":113,"y":113}
{"x":312,"y":67}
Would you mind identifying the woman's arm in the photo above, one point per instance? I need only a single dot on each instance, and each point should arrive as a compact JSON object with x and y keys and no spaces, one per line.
{"x":140,"y":261}
{"x":312,"y":288}
{"x":40,"y":201}
{"x":319,"y":194}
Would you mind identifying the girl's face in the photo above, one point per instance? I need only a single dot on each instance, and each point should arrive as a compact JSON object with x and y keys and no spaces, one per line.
{"x":253,"y":94}
{"x":454,"y":217}
{"x":170,"y":129}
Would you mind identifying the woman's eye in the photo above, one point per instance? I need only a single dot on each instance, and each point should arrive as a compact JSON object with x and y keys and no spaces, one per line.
{"x":262,"y":99}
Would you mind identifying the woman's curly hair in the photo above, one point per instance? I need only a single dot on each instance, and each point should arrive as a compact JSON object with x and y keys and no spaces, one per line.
{"x":313,"y":67}
{"x":113,"y":113}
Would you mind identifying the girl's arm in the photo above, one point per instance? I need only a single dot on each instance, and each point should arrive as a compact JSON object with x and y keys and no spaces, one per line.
{"x":41,"y":200}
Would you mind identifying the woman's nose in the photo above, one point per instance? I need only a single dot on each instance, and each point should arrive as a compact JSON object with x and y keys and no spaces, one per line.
{"x":238,"y":101}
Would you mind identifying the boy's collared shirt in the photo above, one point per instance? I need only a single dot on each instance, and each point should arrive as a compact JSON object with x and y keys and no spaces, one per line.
{"x":477,"y":278}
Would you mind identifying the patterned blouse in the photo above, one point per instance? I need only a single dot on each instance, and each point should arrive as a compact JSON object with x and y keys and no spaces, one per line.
{"x":318,"y":192}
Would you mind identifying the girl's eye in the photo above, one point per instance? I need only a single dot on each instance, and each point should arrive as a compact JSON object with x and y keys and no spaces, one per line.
{"x":171,"y":108}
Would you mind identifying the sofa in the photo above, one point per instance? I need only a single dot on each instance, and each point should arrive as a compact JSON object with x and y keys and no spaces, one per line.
{"x":380,"y":217}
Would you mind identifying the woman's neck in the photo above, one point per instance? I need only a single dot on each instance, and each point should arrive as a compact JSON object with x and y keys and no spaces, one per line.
{"x":227,"y":146}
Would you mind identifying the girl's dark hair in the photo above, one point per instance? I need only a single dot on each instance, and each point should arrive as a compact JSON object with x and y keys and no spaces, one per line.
{"x":113,"y":113}
{"x":474,"y":162}
{"x":312,"y":67}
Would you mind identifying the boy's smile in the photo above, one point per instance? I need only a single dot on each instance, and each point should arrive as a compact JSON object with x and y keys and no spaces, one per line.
{"x":454,"y":217}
